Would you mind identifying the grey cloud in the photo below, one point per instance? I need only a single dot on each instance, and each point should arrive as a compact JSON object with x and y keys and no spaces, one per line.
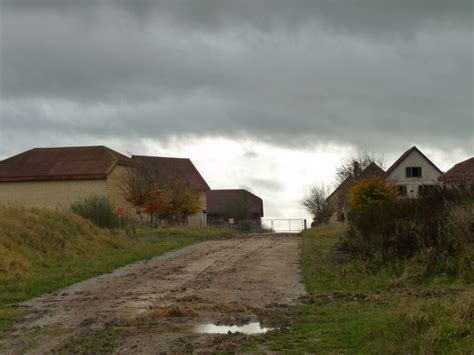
{"x":371,"y":16}
{"x":367,"y":73}
{"x":250,"y":154}
{"x":266,"y":184}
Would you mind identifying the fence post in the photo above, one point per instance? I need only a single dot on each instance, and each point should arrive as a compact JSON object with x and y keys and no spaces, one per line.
{"x":305,"y":224}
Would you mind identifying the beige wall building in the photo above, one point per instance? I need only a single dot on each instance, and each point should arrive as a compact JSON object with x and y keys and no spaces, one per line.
{"x":54,"y":178}
{"x":413,"y":173}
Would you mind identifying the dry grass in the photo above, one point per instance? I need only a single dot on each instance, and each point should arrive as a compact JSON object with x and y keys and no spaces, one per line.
{"x":41,"y":250}
{"x":28,"y":235}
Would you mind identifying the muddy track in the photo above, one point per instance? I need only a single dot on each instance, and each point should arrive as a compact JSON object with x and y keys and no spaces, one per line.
{"x":157,"y":303}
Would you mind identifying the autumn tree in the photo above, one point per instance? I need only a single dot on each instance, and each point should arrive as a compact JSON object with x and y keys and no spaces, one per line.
{"x":161,"y":194}
{"x":185,"y":201}
{"x":315,"y":203}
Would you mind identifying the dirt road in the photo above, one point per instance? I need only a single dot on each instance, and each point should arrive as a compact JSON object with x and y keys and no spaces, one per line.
{"x":155,"y":306}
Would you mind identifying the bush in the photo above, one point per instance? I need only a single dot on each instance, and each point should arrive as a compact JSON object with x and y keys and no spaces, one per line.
{"x":371,"y":192}
{"x":97,"y":209}
{"x":435,"y":230}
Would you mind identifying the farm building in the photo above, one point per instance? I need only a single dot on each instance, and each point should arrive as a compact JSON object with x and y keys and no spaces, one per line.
{"x":461,"y":172}
{"x":55,"y":177}
{"x":238,"y":205}
{"x":185,"y":170}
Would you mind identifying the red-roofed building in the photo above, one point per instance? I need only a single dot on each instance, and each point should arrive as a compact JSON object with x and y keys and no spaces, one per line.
{"x":239,"y":205}
{"x":413,"y":173}
{"x":56,"y":177}
{"x":461,"y":172}
{"x":184,"y":169}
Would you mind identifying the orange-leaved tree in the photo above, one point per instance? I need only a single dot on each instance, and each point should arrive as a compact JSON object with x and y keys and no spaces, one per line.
{"x":158,"y":202}
{"x":371,"y":192}
{"x":185,"y":202}
{"x":161,"y":194}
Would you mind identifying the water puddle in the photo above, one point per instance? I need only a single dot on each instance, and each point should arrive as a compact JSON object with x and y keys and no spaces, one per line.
{"x":251,"y":328}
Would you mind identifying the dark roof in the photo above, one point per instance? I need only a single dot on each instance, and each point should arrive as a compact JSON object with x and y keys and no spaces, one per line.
{"x":405,"y":155}
{"x":463,"y":171}
{"x":62,"y":163}
{"x":372,"y":171}
{"x":218,"y":201}
{"x":180,"y":167}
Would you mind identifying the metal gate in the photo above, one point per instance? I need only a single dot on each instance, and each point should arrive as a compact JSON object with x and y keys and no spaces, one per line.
{"x":284,"y":225}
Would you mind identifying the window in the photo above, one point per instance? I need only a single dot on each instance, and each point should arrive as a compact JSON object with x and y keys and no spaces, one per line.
{"x":414,"y":171}
{"x":424,"y":190}
{"x":402,"y":190}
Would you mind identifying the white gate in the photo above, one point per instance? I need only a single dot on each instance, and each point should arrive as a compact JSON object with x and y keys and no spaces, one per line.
{"x":284,"y":225}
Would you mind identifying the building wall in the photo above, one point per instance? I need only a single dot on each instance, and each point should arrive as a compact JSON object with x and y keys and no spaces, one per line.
{"x":429,"y":174}
{"x":116,"y":189}
{"x":49,"y":194}
{"x":200,"y":218}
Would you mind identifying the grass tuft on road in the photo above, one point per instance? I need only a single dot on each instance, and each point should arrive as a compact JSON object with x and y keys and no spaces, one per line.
{"x":43,"y":251}
{"x":351,"y":308}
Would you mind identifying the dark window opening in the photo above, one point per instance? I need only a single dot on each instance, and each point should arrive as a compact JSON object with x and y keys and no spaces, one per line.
{"x":402,"y":190}
{"x":413,"y":171}
{"x":426,"y":189}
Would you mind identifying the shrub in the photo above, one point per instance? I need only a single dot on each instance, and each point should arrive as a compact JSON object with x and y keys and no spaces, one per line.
{"x":435,"y":230}
{"x":98,"y":209}
{"x":371,"y":192}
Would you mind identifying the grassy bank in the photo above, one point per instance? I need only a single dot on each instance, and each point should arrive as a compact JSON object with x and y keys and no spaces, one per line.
{"x":42,"y":251}
{"x":350,"y":308}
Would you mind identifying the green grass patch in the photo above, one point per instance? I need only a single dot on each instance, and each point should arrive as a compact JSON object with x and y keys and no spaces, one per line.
{"x":352,"y":308}
{"x":43,"y":251}
{"x":8,"y":315}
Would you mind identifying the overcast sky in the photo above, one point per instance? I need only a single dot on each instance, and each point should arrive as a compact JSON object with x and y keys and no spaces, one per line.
{"x":268,"y":94}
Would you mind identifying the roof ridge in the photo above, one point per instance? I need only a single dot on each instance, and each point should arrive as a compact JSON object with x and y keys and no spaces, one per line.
{"x":404,"y":155}
{"x":158,"y":157}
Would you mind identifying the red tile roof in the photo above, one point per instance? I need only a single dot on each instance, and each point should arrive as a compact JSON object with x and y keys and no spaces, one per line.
{"x":463,"y":171}
{"x":65,"y":163}
{"x":218,"y":201}
{"x":404,"y":156}
{"x":180,"y":167}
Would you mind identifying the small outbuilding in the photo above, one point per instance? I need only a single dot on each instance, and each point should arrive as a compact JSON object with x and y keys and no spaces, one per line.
{"x":234,"y":206}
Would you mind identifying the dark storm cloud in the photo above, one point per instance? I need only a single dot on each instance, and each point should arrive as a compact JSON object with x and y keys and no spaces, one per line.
{"x":365,"y":73}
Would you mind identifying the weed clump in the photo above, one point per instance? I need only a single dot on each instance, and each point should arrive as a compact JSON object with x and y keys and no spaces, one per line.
{"x":97,"y":209}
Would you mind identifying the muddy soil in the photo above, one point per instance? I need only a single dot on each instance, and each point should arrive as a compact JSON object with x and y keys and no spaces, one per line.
{"x":155,"y":306}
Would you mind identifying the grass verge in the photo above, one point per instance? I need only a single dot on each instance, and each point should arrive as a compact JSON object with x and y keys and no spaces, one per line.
{"x":43,"y":251}
{"x":351,"y":309}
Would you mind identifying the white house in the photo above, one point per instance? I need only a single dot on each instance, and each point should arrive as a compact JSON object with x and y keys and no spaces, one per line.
{"x":413,"y":173}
